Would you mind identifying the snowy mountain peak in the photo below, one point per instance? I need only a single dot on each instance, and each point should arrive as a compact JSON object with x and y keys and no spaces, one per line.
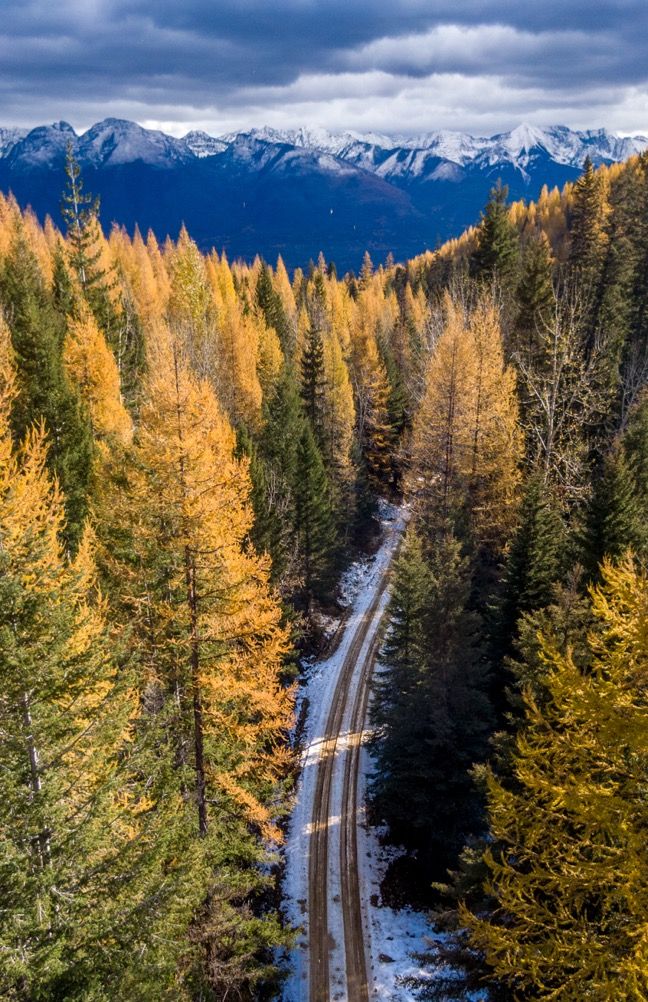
{"x":118,"y":141}
{"x":524,"y":138}
{"x":432,"y":156}
{"x":202,"y":144}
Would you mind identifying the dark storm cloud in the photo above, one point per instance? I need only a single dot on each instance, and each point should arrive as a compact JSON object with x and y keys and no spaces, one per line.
{"x":184,"y":61}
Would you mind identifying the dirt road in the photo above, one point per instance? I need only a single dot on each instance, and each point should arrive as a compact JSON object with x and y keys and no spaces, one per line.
{"x":336,"y":953}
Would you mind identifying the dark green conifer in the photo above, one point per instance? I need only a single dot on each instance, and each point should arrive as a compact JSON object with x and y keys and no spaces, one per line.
{"x":497,"y":253}
{"x":535,"y":296}
{"x":45,"y":394}
{"x":271,"y":529}
{"x":313,"y":381}
{"x":612,"y":523}
{"x":431,"y":712}
{"x":314,"y":520}
{"x":80,"y":211}
{"x":270,"y":304}
{"x":587,"y":226}
{"x":635,"y":448}
{"x":534,"y":562}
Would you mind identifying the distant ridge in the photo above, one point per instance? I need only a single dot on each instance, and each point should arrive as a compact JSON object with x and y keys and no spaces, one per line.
{"x":299,"y":191}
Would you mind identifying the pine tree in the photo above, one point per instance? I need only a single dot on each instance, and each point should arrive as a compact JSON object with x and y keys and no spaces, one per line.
{"x":80,"y":211}
{"x":270,"y":530}
{"x":314,"y":523}
{"x":612,"y":522}
{"x":634,"y":444}
{"x":534,"y":562}
{"x":278,"y":473}
{"x":63,"y":717}
{"x":44,"y":391}
{"x":64,"y":296}
{"x":270,"y":303}
{"x":588,"y":227}
{"x":497,"y":253}
{"x":313,"y":384}
{"x":431,"y":711}
{"x":567,"y":867}
{"x":535,"y":296}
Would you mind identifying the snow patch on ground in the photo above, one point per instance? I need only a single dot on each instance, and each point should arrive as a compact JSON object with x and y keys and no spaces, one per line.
{"x":314,"y":702}
{"x":392,"y":937}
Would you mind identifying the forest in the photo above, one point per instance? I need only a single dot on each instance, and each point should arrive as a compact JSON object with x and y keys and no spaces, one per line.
{"x":192,"y":450}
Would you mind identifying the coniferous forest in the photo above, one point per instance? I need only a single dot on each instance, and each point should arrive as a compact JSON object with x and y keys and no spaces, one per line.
{"x":192,"y":451}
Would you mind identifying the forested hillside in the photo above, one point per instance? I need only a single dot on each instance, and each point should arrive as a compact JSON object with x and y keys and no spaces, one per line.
{"x":511,"y":723}
{"x":191,"y":450}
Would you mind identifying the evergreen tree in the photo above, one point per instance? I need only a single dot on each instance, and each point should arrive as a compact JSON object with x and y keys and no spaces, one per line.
{"x":497,"y":253}
{"x":64,"y":295}
{"x":534,"y":562}
{"x":634,"y":444}
{"x":377,"y":438}
{"x":277,"y":473}
{"x":313,"y":381}
{"x":80,"y":211}
{"x":63,"y":717}
{"x":44,"y":392}
{"x":271,"y":305}
{"x":588,"y":228}
{"x":431,"y":711}
{"x":535,"y":297}
{"x":314,"y":522}
{"x":270,"y":531}
{"x":612,"y":522}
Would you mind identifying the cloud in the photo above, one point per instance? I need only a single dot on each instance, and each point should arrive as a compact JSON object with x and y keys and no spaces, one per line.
{"x":340,"y":63}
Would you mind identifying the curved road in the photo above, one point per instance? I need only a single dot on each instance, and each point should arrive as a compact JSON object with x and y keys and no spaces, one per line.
{"x":334,"y":909}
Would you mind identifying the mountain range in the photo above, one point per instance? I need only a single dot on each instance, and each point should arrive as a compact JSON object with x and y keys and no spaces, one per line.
{"x":296,"y":192}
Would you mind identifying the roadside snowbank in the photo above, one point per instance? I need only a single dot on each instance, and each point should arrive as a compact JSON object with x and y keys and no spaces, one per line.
{"x":391,"y":936}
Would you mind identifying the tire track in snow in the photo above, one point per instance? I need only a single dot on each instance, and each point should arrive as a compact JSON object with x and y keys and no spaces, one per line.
{"x":335,"y":804}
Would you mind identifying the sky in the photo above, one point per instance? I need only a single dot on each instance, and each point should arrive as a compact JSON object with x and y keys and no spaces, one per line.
{"x":390,"y":66}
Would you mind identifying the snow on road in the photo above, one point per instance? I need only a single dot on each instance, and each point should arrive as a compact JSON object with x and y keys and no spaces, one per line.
{"x":390,"y":936}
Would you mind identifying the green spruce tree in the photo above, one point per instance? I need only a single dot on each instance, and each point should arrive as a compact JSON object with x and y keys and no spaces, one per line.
{"x":44,"y":392}
{"x":534,"y":562}
{"x":431,"y":712}
{"x":314,"y":522}
{"x":313,"y":381}
{"x":497,"y":254}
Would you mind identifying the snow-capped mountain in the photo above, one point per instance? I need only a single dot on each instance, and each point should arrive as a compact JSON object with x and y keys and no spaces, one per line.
{"x":298,"y":191}
{"x":118,"y":141}
{"x":413,"y":155}
{"x":202,"y":144}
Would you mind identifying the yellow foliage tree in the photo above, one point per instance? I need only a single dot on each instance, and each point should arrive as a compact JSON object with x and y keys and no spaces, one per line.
{"x":466,"y":442}
{"x":92,"y":367}
{"x":208,"y":625}
{"x":567,"y":867}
